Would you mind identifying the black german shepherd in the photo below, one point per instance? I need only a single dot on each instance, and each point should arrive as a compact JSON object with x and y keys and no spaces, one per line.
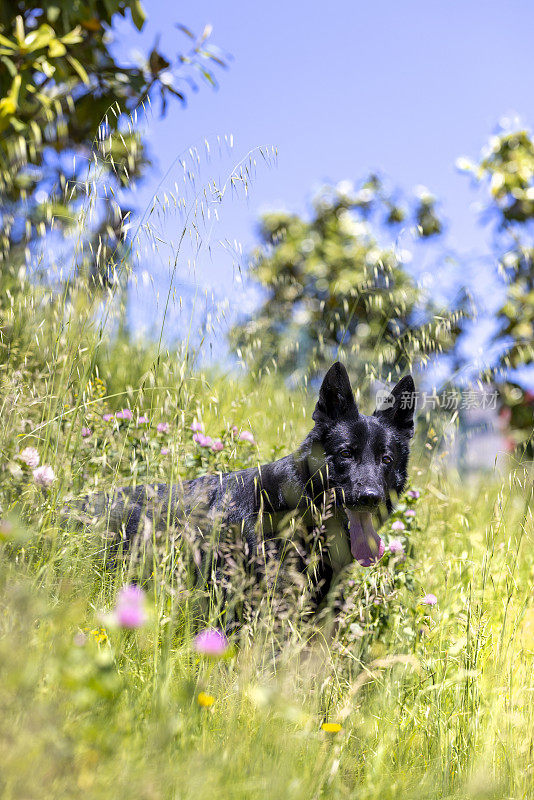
{"x":352,"y":463}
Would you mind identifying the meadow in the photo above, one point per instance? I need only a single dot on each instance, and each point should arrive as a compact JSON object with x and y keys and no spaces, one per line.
{"x":405,"y":698}
{"x":141,"y":343}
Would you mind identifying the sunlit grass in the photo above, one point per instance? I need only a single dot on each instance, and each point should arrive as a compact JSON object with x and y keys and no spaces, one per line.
{"x":140,"y":713}
{"x":403,"y":698}
{"x":416,"y":699}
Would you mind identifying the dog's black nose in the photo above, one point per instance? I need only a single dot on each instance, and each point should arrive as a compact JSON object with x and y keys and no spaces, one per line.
{"x":370,"y":497}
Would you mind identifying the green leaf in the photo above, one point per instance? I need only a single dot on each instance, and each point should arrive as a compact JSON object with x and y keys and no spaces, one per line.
{"x":52,"y":13}
{"x":42,"y":37}
{"x":9,"y":64}
{"x":7,"y":107}
{"x":19,"y":29}
{"x":7,"y":43}
{"x":56,"y":49}
{"x":15,"y":89}
{"x":73,"y":37}
{"x":138,"y":14}
{"x":18,"y":125}
{"x":46,"y":67}
{"x":79,"y":69}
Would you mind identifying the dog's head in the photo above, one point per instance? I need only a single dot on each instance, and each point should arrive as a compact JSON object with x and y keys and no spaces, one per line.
{"x":363,"y":458}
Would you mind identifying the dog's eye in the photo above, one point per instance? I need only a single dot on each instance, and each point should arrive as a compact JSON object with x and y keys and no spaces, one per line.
{"x":386,"y":459}
{"x":345,"y":453}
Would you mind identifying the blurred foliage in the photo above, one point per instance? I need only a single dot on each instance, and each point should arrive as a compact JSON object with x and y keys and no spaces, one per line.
{"x":507,"y":169}
{"x":332,"y":289}
{"x":65,"y":93}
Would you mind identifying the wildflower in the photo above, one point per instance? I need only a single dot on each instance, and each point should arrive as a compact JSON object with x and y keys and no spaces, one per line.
{"x":163,"y":427}
{"x":396,"y":547}
{"x":203,"y":441}
{"x":205,"y":700}
{"x":409,"y":513}
{"x":217,"y":446}
{"x":6,"y":529}
{"x":164,"y":451}
{"x":197,"y":426}
{"x":107,"y":417}
{"x":80,"y":638}
{"x":398,"y":525}
{"x":86,"y":432}
{"x":211,"y":642}
{"x":331,"y":727}
{"x":429,"y":600}
{"x":44,"y":476}
{"x":125,"y":414}
{"x":130,"y":609}
{"x":414,"y":494}
{"x":246,"y":436}
{"x":235,"y":430}
{"x":143,"y":420}
{"x":30,"y":457}
{"x":99,"y":635}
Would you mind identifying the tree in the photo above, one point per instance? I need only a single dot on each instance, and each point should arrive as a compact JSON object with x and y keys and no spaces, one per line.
{"x":64,"y":93}
{"x":331,"y":289}
{"x":506,"y":169}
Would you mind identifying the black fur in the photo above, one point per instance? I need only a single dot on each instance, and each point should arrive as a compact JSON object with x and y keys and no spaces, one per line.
{"x":358,"y":461}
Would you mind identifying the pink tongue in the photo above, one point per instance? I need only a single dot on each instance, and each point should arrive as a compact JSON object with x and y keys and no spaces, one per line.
{"x":365,"y":544}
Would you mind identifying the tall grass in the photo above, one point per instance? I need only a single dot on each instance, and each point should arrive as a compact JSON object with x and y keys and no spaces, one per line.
{"x":89,"y":709}
{"x":429,"y":701}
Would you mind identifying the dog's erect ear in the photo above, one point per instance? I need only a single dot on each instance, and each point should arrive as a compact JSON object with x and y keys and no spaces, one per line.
{"x":335,"y":395}
{"x":398,"y":407}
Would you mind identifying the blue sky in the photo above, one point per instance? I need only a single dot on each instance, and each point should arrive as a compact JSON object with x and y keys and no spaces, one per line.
{"x":343,"y":88}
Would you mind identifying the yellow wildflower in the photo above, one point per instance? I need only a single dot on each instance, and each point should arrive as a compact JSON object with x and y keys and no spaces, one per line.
{"x":205,"y":700}
{"x":331,"y":727}
{"x":99,"y":635}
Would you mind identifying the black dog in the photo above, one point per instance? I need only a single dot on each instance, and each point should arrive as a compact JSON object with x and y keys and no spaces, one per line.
{"x":354,"y":464}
